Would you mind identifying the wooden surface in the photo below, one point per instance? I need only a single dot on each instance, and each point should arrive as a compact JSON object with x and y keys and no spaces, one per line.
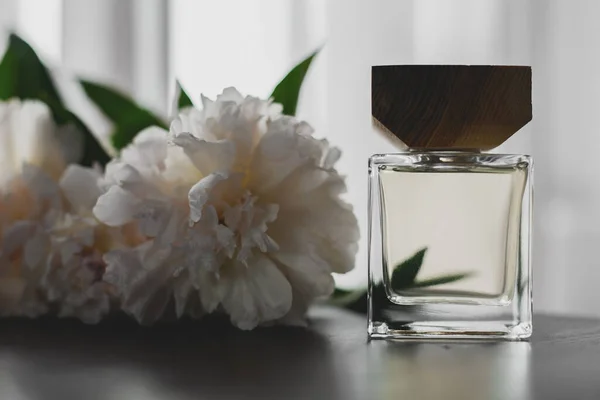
{"x":451,"y":106}
{"x":52,"y":359}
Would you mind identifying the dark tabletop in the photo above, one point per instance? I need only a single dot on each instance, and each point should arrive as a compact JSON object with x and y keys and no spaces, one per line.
{"x":58,"y":359}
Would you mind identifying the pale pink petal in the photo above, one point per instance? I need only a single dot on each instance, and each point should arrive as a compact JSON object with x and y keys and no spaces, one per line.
{"x":80,"y":186}
{"x":183,"y":293}
{"x":218,"y":188}
{"x":323,"y":223}
{"x":208,"y":157}
{"x":281,"y":151}
{"x":116,"y":207}
{"x":191,"y":121}
{"x":200,"y":194}
{"x":15,"y":236}
{"x":257,"y":294}
{"x":230,"y":94}
{"x":143,"y":276}
{"x":310,"y":275}
{"x":8,"y":166}
{"x":44,"y":188}
{"x":35,"y":250}
{"x":35,"y":138}
{"x":209,"y":290}
{"x":148,"y":150}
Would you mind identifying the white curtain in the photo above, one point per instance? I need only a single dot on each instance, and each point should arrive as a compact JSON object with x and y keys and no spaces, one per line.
{"x":142,"y":45}
{"x":122,"y":43}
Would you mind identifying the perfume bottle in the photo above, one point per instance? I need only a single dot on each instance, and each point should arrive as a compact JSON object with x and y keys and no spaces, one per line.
{"x":449,"y":224}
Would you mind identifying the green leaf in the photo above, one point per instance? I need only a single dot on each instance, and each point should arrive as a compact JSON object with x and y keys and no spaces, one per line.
{"x":405,"y":273}
{"x":128,"y":117}
{"x":343,"y":297}
{"x":9,"y":67}
{"x":288,"y":90}
{"x":114,"y":105}
{"x":340,"y":293}
{"x":126,"y":130}
{"x":440,"y":280}
{"x":184,"y":100}
{"x":24,"y":76}
{"x":403,"y":277}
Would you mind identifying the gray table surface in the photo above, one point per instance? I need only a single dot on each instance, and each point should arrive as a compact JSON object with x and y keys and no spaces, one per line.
{"x":54,"y":359}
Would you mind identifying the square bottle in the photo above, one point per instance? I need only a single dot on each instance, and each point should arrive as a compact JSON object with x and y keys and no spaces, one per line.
{"x":449,"y":225}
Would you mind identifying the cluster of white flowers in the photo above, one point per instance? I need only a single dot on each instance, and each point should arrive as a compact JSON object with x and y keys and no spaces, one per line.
{"x":51,"y":246}
{"x":236,"y":210}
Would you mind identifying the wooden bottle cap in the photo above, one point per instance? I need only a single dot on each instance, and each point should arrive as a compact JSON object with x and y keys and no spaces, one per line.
{"x":451,"y":106}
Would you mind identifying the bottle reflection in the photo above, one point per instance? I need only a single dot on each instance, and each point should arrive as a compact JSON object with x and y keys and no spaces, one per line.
{"x":476,"y":370}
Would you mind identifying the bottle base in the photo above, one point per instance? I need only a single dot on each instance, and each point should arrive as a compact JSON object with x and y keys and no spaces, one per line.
{"x":450,"y":330}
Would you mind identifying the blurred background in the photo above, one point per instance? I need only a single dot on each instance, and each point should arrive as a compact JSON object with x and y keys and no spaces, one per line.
{"x":140,"y":46}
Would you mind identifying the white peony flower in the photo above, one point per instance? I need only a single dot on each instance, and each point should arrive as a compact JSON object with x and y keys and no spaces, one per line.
{"x":51,"y":246}
{"x":243,"y":210}
{"x":51,"y":260}
{"x":74,"y":269}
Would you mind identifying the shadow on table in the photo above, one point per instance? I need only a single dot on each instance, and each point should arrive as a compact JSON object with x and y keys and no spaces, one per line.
{"x":119,"y":359}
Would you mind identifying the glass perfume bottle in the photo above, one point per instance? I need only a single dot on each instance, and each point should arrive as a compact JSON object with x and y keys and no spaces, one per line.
{"x":449,"y":224}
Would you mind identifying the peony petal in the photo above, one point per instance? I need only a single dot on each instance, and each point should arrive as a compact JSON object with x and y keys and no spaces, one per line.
{"x":12,"y":291}
{"x":87,"y":235}
{"x":182,"y":293}
{"x":324,"y":224}
{"x":153,"y":218}
{"x":309,"y":275}
{"x":308,"y":186}
{"x":80,"y":186}
{"x":172,"y":230}
{"x":68,"y":250}
{"x":297,"y":314}
{"x":303,"y":128}
{"x":331,"y":157}
{"x":257,"y":294}
{"x":332,"y":236}
{"x":230,"y":94}
{"x":275,"y":110}
{"x":116,"y":207}
{"x":208,"y":157}
{"x":45,"y":189}
{"x":16,"y":236}
{"x":122,"y":267}
{"x":8,"y":166}
{"x":281,"y":151}
{"x":130,"y":179}
{"x":147,"y":299}
{"x":207,"y":284}
{"x":35,"y":250}
{"x":123,"y":174}
{"x":35,"y":139}
{"x":148,"y":150}
{"x":179,"y":169}
{"x":148,"y":311}
{"x":143,"y":277}
{"x":218,"y":188}
{"x":200,"y":194}
{"x":190,"y":121}
{"x":206,"y":102}
{"x":90,"y":306}
{"x":70,"y":141}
